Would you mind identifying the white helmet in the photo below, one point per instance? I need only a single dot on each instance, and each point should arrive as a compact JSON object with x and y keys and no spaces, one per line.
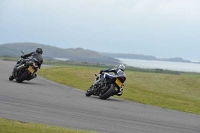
{"x":122,"y":67}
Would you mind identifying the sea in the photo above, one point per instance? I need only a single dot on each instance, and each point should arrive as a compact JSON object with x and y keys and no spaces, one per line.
{"x":165,"y":65}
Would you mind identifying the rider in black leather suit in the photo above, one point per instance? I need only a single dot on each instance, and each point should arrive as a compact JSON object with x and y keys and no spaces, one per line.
{"x":38,"y":51}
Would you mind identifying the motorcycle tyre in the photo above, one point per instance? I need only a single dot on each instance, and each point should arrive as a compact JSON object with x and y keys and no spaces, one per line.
{"x":89,"y":93}
{"x":108,"y":93}
{"x":23,"y":77}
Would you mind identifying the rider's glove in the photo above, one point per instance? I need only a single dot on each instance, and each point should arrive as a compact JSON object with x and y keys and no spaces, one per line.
{"x":101,"y":71}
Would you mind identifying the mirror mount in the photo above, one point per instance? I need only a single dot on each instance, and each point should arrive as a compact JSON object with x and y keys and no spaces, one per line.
{"x":22,"y":52}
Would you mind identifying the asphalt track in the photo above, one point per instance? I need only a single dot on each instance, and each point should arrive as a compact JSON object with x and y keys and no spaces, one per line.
{"x":47,"y":102}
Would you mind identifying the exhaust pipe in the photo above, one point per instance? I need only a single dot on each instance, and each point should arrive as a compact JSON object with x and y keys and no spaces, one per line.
{"x":29,"y":63}
{"x":25,"y":65}
{"x":20,"y":67}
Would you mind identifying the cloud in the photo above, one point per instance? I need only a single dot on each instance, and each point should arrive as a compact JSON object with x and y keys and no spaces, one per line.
{"x":143,"y":26}
{"x":184,"y":8}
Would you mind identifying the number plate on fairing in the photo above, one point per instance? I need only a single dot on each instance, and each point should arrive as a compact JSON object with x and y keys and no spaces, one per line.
{"x":118,"y":82}
{"x":30,"y":68}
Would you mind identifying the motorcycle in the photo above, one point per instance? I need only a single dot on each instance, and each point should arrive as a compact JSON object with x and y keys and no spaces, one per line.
{"x":106,"y":85}
{"x":26,"y":68}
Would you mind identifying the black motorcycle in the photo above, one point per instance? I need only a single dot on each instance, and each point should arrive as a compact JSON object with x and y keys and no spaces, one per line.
{"x":106,"y":85}
{"x":27,"y":67}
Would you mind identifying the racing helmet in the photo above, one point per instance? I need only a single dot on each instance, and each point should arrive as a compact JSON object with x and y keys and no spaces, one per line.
{"x":39,"y":51}
{"x":122,"y":67}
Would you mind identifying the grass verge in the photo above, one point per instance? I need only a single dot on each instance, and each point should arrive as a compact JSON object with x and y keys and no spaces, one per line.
{"x":9,"y":126}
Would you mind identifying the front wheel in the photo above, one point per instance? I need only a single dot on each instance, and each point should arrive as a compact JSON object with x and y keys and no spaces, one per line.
{"x":109,"y":92}
{"x":11,"y":78}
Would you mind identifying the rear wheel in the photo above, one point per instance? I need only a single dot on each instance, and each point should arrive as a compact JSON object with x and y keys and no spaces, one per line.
{"x":108,"y":92}
{"x":23,"y":77}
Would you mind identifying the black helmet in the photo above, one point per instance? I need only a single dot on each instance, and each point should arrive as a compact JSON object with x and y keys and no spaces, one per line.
{"x":122,"y":67}
{"x":39,"y":51}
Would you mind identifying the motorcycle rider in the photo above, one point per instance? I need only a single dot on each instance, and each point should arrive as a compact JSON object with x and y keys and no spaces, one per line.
{"x":118,"y":71}
{"x":38,"y":51}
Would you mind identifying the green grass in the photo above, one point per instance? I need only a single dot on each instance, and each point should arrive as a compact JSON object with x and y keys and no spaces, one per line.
{"x":9,"y":126}
{"x":173,"y":91}
{"x":8,"y":58}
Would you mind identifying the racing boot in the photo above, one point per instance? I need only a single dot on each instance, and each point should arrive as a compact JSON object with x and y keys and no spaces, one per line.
{"x":120,"y":92}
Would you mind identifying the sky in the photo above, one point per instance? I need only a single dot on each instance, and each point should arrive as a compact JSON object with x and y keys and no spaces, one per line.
{"x":161,"y":28}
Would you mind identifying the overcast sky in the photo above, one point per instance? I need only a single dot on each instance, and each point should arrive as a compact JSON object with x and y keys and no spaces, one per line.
{"x":162,"y":28}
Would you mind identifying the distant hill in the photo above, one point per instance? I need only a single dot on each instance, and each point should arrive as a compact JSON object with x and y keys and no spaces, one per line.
{"x":50,"y":52}
{"x":78,"y":54}
{"x":144,"y":57}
